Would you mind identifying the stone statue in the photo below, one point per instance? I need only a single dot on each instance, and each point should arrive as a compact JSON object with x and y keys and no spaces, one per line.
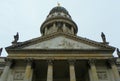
{"x":0,"y":51}
{"x":118,"y":52}
{"x":103,"y":37}
{"x":16,"y":38}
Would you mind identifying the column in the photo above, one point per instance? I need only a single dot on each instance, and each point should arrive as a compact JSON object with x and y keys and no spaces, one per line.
{"x":6,"y":70}
{"x":50,"y":71}
{"x":29,"y":70}
{"x":72,"y":70}
{"x":114,"y":70}
{"x":93,"y":69}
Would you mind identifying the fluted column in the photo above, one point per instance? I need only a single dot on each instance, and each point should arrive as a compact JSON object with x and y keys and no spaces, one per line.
{"x":50,"y":71}
{"x":93,"y":69}
{"x":114,"y":70}
{"x":72,"y":70}
{"x":29,"y":70}
{"x":6,"y":70}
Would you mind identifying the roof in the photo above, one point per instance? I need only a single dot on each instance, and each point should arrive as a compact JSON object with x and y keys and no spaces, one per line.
{"x":59,"y":9}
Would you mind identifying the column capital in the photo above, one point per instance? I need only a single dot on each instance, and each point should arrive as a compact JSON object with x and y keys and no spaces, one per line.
{"x":8,"y":61}
{"x":50,"y":61}
{"x":92,"y":62}
{"x":29,"y":61}
{"x":111,"y":61}
{"x":71,"y":61}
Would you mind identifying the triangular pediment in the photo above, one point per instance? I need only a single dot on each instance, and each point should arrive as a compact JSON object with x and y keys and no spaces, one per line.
{"x":61,"y":42}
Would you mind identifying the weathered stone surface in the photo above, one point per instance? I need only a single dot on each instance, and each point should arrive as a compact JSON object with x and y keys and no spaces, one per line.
{"x":61,"y":43}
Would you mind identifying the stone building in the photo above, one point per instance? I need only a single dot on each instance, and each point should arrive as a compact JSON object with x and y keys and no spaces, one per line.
{"x":59,"y":55}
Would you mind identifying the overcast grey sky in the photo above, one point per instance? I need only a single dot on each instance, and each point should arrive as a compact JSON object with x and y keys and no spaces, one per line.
{"x":91,"y":16}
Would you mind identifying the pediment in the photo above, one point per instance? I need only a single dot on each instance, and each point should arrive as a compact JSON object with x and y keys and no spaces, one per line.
{"x":61,"y":42}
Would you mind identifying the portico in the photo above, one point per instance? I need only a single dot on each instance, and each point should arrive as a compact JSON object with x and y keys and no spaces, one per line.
{"x":60,"y":55}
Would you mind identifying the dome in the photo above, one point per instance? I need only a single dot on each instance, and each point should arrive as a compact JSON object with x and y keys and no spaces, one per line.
{"x":58,"y":20}
{"x":59,"y":9}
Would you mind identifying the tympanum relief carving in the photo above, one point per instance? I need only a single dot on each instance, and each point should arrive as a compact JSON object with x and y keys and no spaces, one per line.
{"x":59,"y":43}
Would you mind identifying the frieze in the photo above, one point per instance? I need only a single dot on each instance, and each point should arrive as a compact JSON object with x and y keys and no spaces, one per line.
{"x":71,"y":61}
{"x":92,"y":62}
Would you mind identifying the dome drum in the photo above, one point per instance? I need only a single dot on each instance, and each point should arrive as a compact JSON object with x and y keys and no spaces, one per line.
{"x":58,"y":25}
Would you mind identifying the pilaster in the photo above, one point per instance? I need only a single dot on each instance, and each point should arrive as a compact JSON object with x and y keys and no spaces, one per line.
{"x":50,"y":71}
{"x":93,"y":69}
{"x":29,"y":70}
{"x":114,"y":69}
{"x":4,"y":75}
{"x":72,"y":70}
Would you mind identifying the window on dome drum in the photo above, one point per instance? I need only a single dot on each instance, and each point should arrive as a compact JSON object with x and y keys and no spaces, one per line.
{"x":59,"y":24}
{"x":58,"y":13}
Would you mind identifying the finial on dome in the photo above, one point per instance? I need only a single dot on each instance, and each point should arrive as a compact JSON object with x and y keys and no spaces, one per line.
{"x":58,"y":3}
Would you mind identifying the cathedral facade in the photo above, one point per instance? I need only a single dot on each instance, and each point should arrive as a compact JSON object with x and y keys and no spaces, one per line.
{"x":59,"y":54}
